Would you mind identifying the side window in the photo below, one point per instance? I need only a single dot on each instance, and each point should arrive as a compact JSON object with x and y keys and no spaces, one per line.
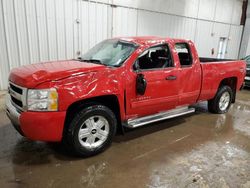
{"x":155,"y":58}
{"x":184,"y":54}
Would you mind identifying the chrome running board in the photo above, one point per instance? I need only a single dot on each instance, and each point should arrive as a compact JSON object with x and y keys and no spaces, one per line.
{"x":137,"y":122}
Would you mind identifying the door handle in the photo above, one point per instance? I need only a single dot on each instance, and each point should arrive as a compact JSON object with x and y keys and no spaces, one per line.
{"x":171,"y":77}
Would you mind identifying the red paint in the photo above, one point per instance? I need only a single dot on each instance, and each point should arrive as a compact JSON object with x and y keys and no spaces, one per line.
{"x":44,"y":126}
{"x":31,"y":75}
{"x":76,"y":81}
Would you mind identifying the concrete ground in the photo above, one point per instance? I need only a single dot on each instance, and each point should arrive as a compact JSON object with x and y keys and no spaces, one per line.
{"x":200,"y":150}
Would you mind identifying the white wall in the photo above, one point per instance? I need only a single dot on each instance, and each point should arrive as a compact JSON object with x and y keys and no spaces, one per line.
{"x":202,"y":21}
{"x":245,"y":45}
{"x":41,"y":30}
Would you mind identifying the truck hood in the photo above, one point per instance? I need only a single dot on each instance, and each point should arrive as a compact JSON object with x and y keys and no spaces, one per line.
{"x":30,"y":76}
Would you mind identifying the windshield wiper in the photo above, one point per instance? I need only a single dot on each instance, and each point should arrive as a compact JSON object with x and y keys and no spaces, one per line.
{"x":97,"y":61}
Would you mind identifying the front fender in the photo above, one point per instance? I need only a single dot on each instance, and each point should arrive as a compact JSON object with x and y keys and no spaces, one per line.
{"x":90,"y":85}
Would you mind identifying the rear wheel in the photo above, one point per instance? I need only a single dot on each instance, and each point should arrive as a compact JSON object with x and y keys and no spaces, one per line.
{"x":222,"y":100}
{"x":91,"y":131}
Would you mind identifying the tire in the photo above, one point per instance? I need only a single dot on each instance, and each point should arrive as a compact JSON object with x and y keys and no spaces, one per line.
{"x":222,"y":100}
{"x":91,"y":131}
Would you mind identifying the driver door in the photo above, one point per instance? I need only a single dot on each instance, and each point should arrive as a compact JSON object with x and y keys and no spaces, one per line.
{"x":155,"y":65}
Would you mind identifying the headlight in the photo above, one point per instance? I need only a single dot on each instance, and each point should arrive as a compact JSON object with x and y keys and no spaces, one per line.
{"x":42,"y":99}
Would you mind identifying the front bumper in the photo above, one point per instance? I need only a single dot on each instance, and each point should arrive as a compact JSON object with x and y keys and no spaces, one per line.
{"x":43,"y":126}
{"x":13,"y":114}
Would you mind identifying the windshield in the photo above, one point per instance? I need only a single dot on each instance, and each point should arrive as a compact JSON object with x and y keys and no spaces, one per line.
{"x":110,"y":52}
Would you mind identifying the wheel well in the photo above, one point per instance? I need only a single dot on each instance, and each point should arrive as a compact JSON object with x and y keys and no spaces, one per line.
{"x":111,"y":101}
{"x":232,"y":83}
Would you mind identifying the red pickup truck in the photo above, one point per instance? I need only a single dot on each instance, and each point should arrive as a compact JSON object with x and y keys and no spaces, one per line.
{"x":121,"y":82}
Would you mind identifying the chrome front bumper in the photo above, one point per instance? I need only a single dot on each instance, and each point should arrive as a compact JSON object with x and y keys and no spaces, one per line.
{"x":13,"y":114}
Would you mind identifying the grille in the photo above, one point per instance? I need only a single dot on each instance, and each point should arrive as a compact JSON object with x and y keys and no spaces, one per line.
{"x":16,"y":89}
{"x":18,"y":96}
{"x":17,"y":102}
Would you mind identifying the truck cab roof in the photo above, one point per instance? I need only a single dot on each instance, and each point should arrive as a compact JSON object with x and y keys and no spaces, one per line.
{"x":150,"y":40}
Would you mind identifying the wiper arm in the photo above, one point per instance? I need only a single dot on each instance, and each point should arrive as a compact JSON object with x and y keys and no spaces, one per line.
{"x":93,"y":61}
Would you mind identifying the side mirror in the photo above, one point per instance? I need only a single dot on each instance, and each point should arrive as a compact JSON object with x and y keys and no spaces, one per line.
{"x":141,"y":84}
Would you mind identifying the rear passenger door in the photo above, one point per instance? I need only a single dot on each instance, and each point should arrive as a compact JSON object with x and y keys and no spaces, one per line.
{"x":189,"y":74}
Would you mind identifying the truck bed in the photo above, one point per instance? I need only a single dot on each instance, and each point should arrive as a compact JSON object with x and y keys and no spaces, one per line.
{"x":215,"y":71}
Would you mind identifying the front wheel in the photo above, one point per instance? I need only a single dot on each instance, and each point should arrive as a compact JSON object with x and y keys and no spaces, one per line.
{"x":91,"y":131}
{"x":222,"y":100}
